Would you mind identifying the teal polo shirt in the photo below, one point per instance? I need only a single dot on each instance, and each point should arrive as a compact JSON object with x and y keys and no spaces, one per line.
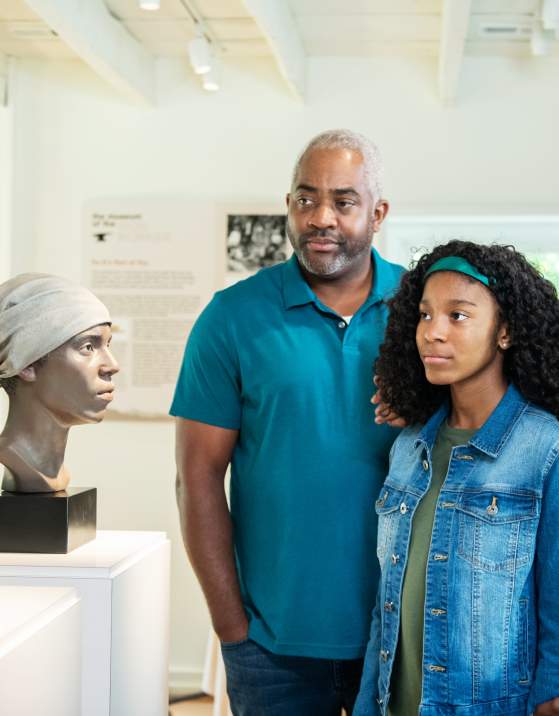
{"x":268,"y":359}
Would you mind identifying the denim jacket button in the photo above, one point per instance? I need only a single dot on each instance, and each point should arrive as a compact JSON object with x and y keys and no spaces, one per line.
{"x":388,"y":606}
{"x":384,"y":654}
{"x":425,"y":464}
{"x":403,"y":508}
{"x":492,"y":509}
{"x":395,"y":558}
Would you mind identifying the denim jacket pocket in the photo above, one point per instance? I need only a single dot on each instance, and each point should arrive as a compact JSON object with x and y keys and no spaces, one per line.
{"x":496,"y":530}
{"x":387,"y":508}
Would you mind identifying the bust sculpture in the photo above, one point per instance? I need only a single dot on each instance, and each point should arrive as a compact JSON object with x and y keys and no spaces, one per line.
{"x":56,"y":367}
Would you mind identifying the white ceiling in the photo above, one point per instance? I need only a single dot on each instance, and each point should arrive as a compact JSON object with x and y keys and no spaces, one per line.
{"x":326,"y":27}
{"x":282,"y":28}
{"x":373,"y":27}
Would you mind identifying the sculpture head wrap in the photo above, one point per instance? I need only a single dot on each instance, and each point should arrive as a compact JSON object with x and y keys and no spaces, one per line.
{"x":40,"y":312}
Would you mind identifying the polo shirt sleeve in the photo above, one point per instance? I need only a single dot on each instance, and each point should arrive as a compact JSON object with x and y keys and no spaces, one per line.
{"x":208,"y":387}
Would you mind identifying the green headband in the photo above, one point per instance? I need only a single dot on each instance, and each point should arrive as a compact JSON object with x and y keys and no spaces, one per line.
{"x":457,"y":263}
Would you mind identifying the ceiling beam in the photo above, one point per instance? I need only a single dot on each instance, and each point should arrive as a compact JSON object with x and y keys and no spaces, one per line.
{"x":454,"y":28}
{"x":277,"y":24}
{"x":102,"y":42}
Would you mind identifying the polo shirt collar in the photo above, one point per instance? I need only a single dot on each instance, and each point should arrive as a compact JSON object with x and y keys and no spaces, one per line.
{"x":297,"y":292}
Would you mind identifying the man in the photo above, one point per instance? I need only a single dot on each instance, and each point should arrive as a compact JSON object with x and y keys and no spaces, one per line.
{"x":276,"y":379}
{"x":57,"y":369}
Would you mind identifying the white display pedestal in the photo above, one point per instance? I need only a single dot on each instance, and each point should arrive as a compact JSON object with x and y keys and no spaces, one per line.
{"x":40,"y":651}
{"x":122,"y":579}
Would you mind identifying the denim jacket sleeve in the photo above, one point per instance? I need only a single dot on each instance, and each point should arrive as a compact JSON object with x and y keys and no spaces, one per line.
{"x":366,"y":704}
{"x":546,"y":680}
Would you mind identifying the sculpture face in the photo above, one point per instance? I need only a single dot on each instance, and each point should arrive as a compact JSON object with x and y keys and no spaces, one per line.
{"x":55,"y":351}
{"x":74,"y":385}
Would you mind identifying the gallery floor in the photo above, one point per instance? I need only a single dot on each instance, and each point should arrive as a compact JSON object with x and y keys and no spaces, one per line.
{"x":196,"y":707}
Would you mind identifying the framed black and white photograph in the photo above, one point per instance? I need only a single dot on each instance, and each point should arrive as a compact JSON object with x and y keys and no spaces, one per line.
{"x":255,"y":241}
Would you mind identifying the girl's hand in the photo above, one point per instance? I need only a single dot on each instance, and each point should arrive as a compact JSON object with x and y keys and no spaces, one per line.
{"x":548,"y":708}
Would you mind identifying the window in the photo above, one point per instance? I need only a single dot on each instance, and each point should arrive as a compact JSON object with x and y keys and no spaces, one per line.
{"x":404,"y":239}
{"x":547,"y":264}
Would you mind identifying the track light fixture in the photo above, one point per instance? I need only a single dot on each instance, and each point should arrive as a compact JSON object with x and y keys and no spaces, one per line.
{"x":200,"y":54}
{"x":211,"y":81}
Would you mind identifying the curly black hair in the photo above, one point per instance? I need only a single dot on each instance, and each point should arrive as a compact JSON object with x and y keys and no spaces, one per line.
{"x":527,"y":302}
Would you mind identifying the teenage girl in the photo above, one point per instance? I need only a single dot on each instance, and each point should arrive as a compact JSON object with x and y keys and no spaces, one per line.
{"x":467,"y":616}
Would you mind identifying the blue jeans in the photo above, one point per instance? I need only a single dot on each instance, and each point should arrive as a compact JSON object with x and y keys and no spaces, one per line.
{"x":260,"y":683}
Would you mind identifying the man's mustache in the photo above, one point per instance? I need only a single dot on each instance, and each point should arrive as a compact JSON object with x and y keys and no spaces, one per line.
{"x":321,"y":236}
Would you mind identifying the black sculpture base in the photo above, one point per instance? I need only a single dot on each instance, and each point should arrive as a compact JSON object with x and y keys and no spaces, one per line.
{"x":47,"y":522}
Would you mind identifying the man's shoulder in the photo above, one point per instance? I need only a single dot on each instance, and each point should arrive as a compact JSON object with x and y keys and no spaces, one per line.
{"x":257,"y":292}
{"x":269,"y":277}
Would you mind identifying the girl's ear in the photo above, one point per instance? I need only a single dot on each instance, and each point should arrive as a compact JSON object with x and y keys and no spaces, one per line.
{"x":29,"y":374}
{"x":504,"y":337}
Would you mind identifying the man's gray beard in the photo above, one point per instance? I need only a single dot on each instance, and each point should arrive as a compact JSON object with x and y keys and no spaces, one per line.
{"x":335,"y":264}
{"x":324,"y":268}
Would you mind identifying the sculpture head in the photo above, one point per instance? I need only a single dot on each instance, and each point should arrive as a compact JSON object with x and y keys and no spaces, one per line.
{"x":55,"y":365}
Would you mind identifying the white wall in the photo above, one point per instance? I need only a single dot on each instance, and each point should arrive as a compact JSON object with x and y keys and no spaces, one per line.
{"x":6,"y":134}
{"x":5,"y":201}
{"x":76,"y":138}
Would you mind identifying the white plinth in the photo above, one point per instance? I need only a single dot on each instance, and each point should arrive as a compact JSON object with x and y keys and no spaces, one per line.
{"x":122,"y":579}
{"x":40,"y":651}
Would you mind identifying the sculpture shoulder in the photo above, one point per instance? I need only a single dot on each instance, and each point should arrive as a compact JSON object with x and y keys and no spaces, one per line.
{"x":21,"y":477}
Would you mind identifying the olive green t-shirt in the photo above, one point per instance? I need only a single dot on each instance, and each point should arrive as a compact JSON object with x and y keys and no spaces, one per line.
{"x":406,"y":679}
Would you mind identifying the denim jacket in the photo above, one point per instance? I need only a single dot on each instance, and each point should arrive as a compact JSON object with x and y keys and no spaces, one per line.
{"x":491,"y":613}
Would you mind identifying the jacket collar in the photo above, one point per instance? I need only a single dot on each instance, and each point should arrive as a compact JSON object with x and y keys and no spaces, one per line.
{"x":297,"y":292}
{"x":493,"y":434}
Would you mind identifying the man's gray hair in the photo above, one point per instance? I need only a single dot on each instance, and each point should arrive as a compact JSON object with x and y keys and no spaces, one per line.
{"x":346,"y":139}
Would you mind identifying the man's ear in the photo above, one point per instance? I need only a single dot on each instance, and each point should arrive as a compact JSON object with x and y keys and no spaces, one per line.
{"x":379,"y":214}
{"x":287,"y":197}
{"x":28,"y":375}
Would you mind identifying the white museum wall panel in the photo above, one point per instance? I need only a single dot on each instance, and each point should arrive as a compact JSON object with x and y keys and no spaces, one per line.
{"x":74,"y":138}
